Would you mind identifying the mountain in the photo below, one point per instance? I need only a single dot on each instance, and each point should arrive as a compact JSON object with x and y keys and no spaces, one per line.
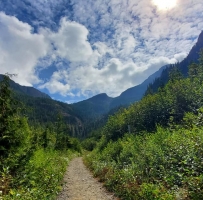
{"x":93,"y":107}
{"x":102,"y":103}
{"x":44,"y":111}
{"x":158,"y":78}
{"x":25,"y":90}
{"x":99,"y":106}
{"x":41,"y":109}
{"x":192,"y":56}
{"x":135,"y":93}
{"x":182,"y":66}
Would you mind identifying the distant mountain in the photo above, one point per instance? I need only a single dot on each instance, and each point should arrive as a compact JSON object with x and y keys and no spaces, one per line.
{"x":101,"y":103}
{"x":42,"y":110}
{"x":135,"y":93}
{"x":30,"y":91}
{"x":182,"y":66}
{"x":45,"y":109}
{"x":93,"y":107}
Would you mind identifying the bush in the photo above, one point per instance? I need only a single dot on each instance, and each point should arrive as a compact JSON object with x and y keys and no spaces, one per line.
{"x":163,"y":165}
{"x":41,"y":177}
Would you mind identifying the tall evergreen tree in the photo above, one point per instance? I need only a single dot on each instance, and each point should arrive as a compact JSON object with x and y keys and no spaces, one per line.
{"x":14,"y":129}
{"x":8,"y":115}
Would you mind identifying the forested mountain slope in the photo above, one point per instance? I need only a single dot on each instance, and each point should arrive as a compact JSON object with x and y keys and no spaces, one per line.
{"x":93,"y":107}
{"x":135,"y":93}
{"x":153,"y":149}
{"x":182,"y":66}
{"x":45,"y":111}
{"x":30,"y":91}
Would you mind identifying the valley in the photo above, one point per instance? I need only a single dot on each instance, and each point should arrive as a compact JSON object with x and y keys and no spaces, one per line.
{"x":146,"y":143}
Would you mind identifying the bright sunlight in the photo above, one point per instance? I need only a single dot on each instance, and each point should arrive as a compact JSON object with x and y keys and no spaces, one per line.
{"x":165,"y":4}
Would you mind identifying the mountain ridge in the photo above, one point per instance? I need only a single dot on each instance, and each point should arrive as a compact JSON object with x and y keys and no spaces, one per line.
{"x":27,"y":90}
{"x":192,"y":56}
{"x":136,"y":93}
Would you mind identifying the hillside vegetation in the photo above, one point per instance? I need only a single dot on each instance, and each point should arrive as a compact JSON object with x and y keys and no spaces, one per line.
{"x":33,"y":158}
{"x":154,"y":149}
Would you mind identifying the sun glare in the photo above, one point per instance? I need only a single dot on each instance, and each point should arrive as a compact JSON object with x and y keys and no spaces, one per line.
{"x":165,"y":4}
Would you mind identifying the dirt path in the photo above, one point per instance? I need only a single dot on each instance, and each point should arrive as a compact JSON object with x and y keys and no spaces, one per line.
{"x":80,"y":185}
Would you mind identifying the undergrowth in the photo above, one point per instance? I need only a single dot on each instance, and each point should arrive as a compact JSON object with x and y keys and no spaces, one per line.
{"x":40,"y":178}
{"x":164,"y":165}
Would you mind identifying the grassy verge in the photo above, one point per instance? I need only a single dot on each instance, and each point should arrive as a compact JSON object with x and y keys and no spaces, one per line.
{"x":40,"y":178}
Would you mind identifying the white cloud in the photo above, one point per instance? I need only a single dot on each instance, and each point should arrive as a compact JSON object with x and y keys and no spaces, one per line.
{"x":127,"y":45}
{"x":71,"y":41}
{"x":20,"y":49}
{"x":180,"y":56}
{"x":115,"y":77}
{"x":55,"y":86}
{"x":133,"y":40}
{"x":102,"y":48}
{"x":110,"y":46}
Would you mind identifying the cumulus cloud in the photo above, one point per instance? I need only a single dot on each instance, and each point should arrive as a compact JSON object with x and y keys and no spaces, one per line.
{"x":115,"y":77}
{"x":20,"y":49}
{"x":71,"y":41}
{"x":109,"y":45}
{"x":55,"y":86}
{"x":134,"y":40}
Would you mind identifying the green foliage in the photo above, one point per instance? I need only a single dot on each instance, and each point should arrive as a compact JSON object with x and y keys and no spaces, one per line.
{"x":175,"y":74}
{"x":63,"y":140}
{"x":41,"y":176}
{"x":75,"y":145}
{"x":30,"y":166}
{"x":11,"y":124}
{"x":161,"y":156}
{"x":153,"y":166}
{"x":166,"y":108}
{"x":193,"y":71}
{"x":89,"y":144}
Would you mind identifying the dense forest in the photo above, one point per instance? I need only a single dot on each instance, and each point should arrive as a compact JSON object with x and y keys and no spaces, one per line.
{"x":33,"y":157}
{"x":154,"y":148}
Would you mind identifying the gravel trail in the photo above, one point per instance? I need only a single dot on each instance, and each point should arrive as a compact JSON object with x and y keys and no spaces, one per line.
{"x":79,"y":184}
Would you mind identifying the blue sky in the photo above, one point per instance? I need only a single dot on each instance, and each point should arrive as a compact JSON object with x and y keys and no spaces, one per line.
{"x":74,"y":49}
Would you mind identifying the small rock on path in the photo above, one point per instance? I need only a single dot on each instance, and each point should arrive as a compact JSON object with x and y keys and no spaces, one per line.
{"x":79,"y":184}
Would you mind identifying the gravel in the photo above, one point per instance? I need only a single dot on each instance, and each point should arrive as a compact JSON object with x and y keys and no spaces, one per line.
{"x":79,"y":184}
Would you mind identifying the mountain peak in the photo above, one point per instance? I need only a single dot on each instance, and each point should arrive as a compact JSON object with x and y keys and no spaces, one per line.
{"x":102,"y":96}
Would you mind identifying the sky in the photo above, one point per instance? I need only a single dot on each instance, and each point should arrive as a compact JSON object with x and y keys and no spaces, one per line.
{"x":75,"y":49}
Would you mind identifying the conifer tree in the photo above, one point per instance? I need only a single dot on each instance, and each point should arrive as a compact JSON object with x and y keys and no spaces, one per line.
{"x":13,"y":128}
{"x":7,"y":117}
